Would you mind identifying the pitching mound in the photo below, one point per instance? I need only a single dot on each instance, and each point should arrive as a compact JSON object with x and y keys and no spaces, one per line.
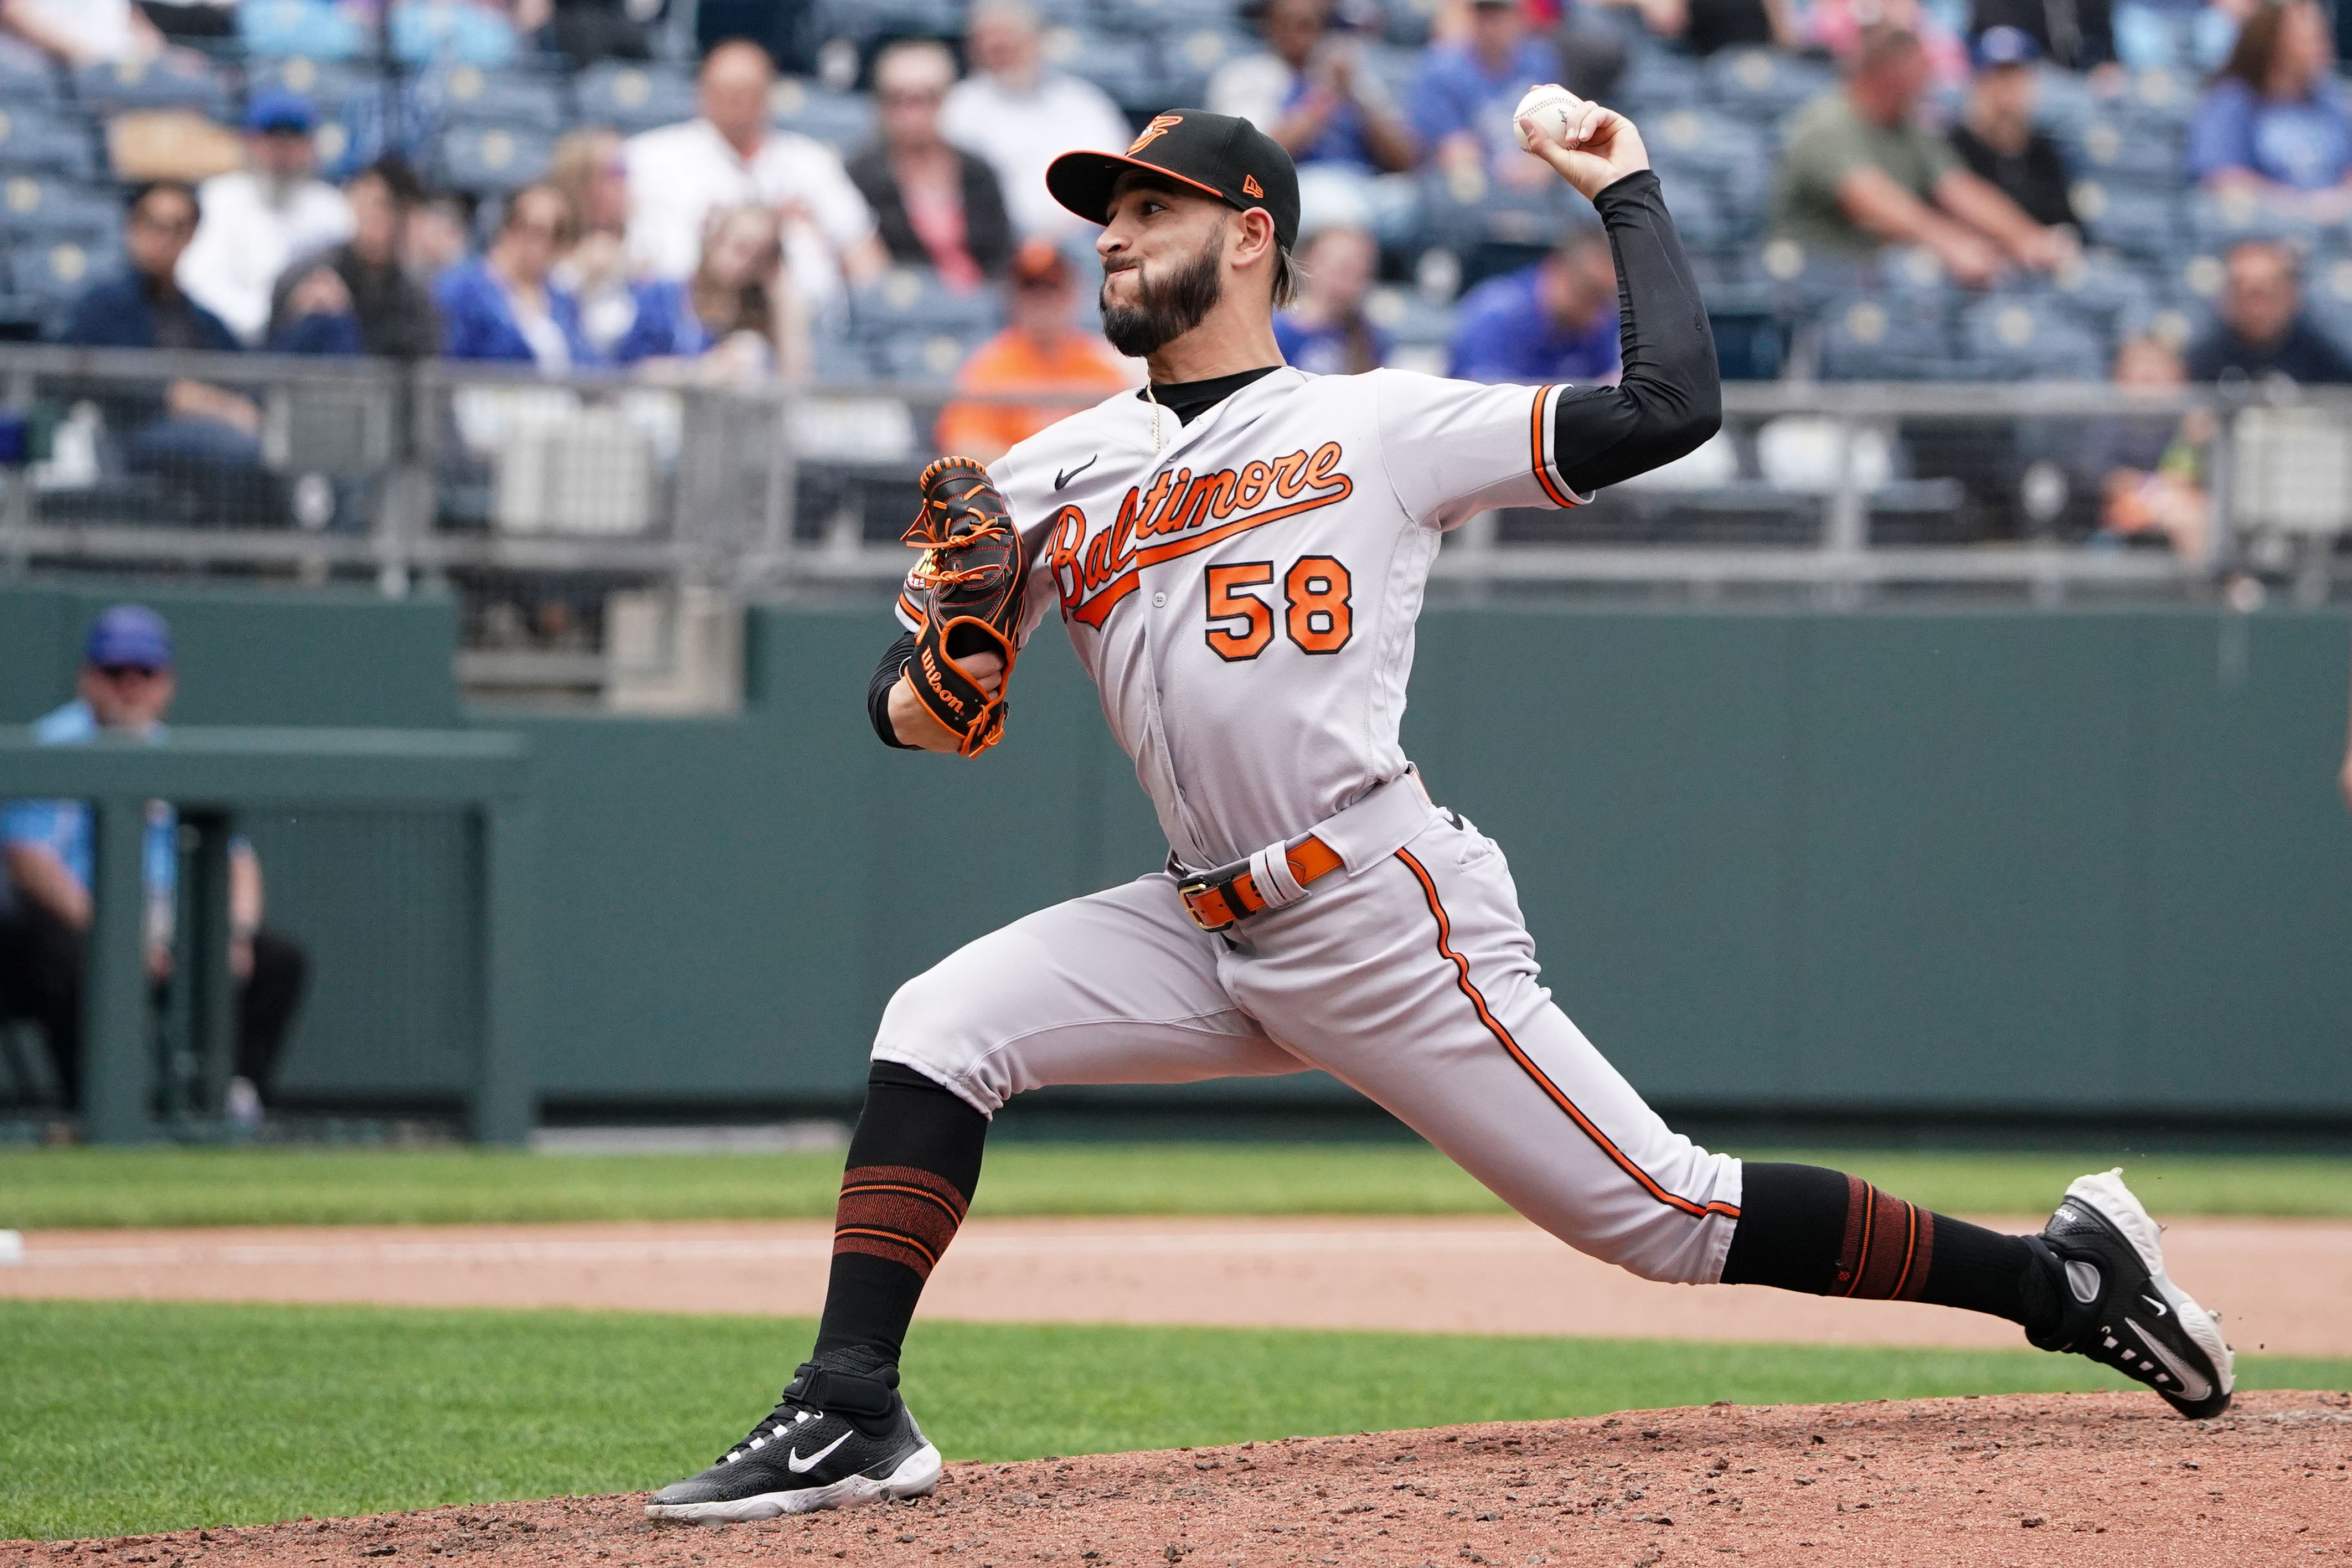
{"x":2020,"y":1480}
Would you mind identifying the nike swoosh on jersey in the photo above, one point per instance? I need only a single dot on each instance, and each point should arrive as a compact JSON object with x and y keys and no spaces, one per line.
{"x":1063,"y":476}
{"x":800,"y":1466}
{"x":2192,"y":1387}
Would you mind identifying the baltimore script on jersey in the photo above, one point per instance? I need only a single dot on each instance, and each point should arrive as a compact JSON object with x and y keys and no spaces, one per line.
{"x":1184,"y":512}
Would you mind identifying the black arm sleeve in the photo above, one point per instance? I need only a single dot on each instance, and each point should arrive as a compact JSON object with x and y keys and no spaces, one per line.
{"x":1669,"y":400}
{"x":878,"y":690}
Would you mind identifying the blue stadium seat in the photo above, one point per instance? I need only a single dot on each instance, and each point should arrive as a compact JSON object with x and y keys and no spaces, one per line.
{"x":1655,"y":79}
{"x":329,"y":84}
{"x":1802,"y":282}
{"x":56,"y":272}
{"x":1715,"y":146}
{"x":27,"y":81}
{"x":1880,"y":338}
{"x":1167,"y":16}
{"x":2159,"y":99}
{"x":1408,"y":22}
{"x":912,"y":301}
{"x":2030,"y":337}
{"x":34,"y":205}
{"x":1463,"y":209}
{"x":1190,"y":57}
{"x":1759,"y":83}
{"x":469,"y":94}
{"x":845,"y":120}
{"x":2116,"y":153}
{"x":165,"y":82}
{"x":634,"y":97}
{"x":35,"y":143}
{"x":1701,"y":215}
{"x":1126,"y":67}
{"x":2137,"y":222}
{"x":926,"y":356}
{"x":1413,"y":321}
{"x":2218,"y":219}
{"x":867,"y":20}
{"x":2102,"y":291}
{"x":491,"y":159}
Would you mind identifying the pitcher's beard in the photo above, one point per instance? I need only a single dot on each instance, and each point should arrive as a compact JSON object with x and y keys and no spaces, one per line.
{"x":1163,"y":312}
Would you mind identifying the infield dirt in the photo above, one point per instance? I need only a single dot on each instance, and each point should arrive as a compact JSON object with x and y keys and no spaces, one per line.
{"x":2030,"y":1480}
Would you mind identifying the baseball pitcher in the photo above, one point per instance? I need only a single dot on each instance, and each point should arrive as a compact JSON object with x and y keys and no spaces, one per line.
{"x":1238,"y":554}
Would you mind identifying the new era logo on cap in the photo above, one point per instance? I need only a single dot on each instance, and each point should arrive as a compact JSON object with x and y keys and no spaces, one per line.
{"x":1219,"y":155}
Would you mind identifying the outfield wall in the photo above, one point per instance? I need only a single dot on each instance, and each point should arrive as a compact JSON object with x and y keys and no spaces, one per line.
{"x":2073,"y":863}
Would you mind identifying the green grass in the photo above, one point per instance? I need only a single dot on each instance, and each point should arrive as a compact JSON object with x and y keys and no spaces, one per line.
{"x":125,"y":1417}
{"x":42,"y":1188}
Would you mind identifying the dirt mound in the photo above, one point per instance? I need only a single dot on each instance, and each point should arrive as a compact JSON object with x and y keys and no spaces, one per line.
{"x":2020,"y":1480}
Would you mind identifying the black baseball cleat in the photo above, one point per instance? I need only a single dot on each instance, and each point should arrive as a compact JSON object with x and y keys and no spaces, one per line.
{"x":839,"y":1437}
{"x":2105,"y":1265}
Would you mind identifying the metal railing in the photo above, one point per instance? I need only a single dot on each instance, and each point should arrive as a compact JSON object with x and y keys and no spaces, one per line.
{"x":505,"y":482}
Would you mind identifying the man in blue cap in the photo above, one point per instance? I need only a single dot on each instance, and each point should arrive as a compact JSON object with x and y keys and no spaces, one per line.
{"x":126,"y":685}
{"x":1996,"y":137}
{"x":257,"y":219}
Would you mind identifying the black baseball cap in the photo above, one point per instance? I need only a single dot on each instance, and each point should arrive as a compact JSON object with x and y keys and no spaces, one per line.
{"x":1220,"y":155}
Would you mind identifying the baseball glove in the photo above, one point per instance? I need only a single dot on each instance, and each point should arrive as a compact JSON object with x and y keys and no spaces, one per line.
{"x":968,"y":589}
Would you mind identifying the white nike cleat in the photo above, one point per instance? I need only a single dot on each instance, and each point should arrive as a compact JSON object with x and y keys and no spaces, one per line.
{"x":2107,"y":1261}
{"x":840,"y":1437}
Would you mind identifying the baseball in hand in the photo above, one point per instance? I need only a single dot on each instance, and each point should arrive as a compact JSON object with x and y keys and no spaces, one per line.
{"x":1550,"y":106}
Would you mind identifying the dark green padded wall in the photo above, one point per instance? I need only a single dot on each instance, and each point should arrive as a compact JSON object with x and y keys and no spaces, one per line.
{"x":2076,"y":861}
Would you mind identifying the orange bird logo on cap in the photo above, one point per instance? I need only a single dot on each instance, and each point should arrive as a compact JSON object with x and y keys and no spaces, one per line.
{"x":1161,"y":124}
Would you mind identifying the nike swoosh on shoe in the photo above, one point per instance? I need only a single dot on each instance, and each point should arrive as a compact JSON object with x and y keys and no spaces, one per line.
{"x":2193,"y":1386}
{"x":799,"y":1465}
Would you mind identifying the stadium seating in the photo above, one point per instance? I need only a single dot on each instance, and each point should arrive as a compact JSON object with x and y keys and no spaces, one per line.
{"x":50,"y":273}
{"x":1125,"y":67}
{"x":27,"y":82}
{"x":845,"y":120}
{"x":35,"y":207}
{"x":166,"y":83}
{"x":1760,"y":83}
{"x":330,"y":85}
{"x":490,"y":160}
{"x":519,"y":100}
{"x":34,"y":142}
{"x":634,"y":97}
{"x":2029,"y":337}
{"x":1878,"y":338}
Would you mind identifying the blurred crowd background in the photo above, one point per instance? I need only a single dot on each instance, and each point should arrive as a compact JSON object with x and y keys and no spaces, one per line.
{"x":761,"y":193}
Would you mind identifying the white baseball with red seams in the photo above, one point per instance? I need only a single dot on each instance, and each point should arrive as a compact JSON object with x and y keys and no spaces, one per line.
{"x":1242,"y":589}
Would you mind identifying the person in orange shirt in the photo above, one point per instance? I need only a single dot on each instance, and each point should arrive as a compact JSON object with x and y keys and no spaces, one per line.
{"x":1040,"y":351}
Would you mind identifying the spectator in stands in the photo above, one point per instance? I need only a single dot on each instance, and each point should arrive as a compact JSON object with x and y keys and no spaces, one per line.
{"x":1310,"y":89}
{"x":1463,"y":96}
{"x":2274,"y":120}
{"x":2149,"y":468}
{"x":206,"y":19}
{"x":1841,"y":26}
{"x":1041,"y":349}
{"x":730,"y":155}
{"x":2262,"y":332}
{"x":1326,"y":331}
{"x":207,"y":438}
{"x":2073,"y":35}
{"x":437,"y":235}
{"x":359,"y":297}
{"x":1021,"y":116}
{"x":1555,"y":321}
{"x":127,"y":686}
{"x":260,"y":217}
{"x":1858,"y":171}
{"x":1996,"y":138}
{"x":506,"y":307}
{"x":938,"y":206}
{"x":737,"y":320}
{"x":82,"y":32}
{"x":591,"y":167}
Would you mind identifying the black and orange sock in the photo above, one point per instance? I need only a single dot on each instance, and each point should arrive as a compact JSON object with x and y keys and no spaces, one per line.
{"x":1828,"y":1234}
{"x":914,"y":1163}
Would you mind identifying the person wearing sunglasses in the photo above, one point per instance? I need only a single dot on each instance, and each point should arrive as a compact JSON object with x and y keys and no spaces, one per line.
{"x":127,"y":684}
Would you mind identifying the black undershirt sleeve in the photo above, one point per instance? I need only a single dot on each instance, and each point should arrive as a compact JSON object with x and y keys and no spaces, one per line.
{"x":1669,"y":400}
{"x":877,"y":690}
